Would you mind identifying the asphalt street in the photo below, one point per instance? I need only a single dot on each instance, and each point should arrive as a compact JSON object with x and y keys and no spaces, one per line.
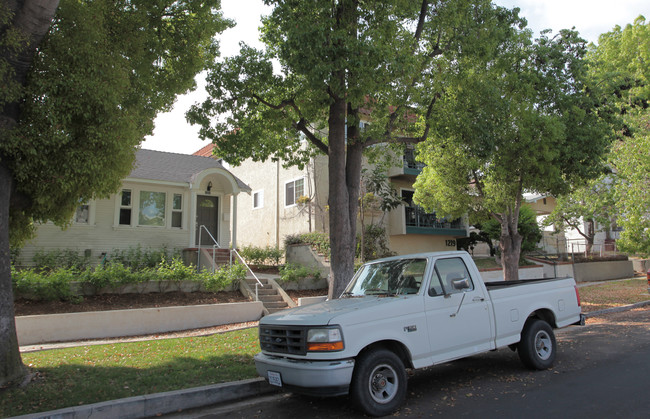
{"x":602,"y":371}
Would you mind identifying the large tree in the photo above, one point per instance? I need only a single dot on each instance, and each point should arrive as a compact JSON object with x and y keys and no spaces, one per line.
{"x":621,"y":64}
{"x":327,"y":63}
{"x":524,"y":121}
{"x":82,"y":83}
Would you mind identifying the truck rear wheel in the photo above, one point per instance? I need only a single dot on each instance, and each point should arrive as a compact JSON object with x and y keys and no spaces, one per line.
{"x":537,"y":347}
{"x":379,"y":382}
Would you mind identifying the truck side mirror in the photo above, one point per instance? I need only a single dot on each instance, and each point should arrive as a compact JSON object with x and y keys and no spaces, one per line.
{"x":461,"y":283}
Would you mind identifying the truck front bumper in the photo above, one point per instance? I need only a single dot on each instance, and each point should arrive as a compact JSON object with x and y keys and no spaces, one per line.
{"x":317,"y":378}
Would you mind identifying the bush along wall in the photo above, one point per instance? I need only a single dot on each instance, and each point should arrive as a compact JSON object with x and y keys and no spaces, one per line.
{"x":68,"y":284}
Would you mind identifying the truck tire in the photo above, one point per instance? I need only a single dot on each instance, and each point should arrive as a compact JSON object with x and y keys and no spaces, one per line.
{"x":537,"y":347}
{"x":378,"y":384}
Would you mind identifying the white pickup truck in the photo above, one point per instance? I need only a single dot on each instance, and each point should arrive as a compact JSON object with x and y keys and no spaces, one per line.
{"x":410,"y":312}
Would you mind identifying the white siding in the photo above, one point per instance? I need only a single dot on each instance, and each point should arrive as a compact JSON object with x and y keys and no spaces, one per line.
{"x":103,"y":234}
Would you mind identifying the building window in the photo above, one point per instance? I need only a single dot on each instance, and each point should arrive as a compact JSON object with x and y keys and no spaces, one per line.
{"x":81,"y":215}
{"x":177,"y":210}
{"x":293,"y":190}
{"x":258,"y":199}
{"x":125,"y":207}
{"x":152,"y":209}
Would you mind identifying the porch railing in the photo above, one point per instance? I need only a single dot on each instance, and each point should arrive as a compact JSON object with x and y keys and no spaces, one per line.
{"x":214,"y":247}
{"x":258,"y":283}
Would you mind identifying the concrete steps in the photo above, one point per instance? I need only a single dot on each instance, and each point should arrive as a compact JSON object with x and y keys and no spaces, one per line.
{"x":269,"y":296}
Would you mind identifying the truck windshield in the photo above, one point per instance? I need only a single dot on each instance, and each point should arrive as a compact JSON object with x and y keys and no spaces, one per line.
{"x":392,"y":277}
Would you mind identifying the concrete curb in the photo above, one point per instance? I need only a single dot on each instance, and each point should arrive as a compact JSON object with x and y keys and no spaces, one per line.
{"x":161,"y":403}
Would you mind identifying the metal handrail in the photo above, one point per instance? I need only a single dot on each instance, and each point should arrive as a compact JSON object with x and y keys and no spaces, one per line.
{"x":258,"y":283}
{"x":214,"y":247}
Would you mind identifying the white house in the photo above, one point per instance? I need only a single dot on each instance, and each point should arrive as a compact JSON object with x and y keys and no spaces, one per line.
{"x":164,"y":201}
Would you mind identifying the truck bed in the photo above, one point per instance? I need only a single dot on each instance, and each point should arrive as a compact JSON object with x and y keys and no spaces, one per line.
{"x":503,"y":284}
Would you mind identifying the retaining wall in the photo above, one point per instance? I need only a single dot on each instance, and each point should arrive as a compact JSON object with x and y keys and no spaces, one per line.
{"x":117,"y":323}
{"x":600,"y":271}
{"x":525,"y":272}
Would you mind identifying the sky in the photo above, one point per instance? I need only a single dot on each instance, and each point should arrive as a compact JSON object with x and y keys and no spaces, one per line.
{"x":172,"y":133}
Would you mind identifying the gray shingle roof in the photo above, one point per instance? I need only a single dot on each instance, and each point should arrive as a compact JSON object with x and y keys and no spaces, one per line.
{"x":172,"y":167}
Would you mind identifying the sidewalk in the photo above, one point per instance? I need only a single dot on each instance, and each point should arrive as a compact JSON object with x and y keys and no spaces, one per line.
{"x":182,"y":400}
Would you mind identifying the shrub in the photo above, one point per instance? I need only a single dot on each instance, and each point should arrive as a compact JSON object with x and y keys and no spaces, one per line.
{"x":222,"y":277}
{"x":60,"y":258}
{"x":317,"y":240}
{"x":374,"y":243}
{"x":55,"y":284}
{"x":48,"y":286}
{"x":259,"y":256}
{"x":111,"y":275}
{"x":137,"y":258}
{"x":14,"y":255}
{"x":290,"y":239}
{"x":291,"y":272}
{"x":174,"y":270}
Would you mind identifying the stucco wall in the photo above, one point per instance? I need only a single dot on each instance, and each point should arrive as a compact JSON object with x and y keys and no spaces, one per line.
{"x":259,"y":226}
{"x":418,"y":243}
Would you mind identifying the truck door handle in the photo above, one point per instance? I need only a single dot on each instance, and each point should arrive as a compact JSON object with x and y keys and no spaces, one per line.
{"x":478,"y":299}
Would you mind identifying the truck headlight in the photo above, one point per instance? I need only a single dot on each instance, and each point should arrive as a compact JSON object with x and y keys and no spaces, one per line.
{"x":325,"y":339}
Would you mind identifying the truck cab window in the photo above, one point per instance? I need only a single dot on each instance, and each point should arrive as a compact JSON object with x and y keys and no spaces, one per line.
{"x":445,"y":272}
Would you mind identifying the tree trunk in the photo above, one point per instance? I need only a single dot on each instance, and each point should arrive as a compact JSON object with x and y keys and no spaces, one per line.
{"x":510,"y":244}
{"x":344,"y":177}
{"x":11,"y":365}
{"x":32,"y":19}
{"x":589,"y":236}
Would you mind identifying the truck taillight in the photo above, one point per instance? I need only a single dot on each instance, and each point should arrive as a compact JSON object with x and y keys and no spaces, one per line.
{"x":577,"y":294}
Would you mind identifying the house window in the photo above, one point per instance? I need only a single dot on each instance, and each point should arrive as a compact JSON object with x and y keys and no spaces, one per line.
{"x":293,"y":190}
{"x":125,"y":207}
{"x":177,"y":210}
{"x":81,"y":215}
{"x":152,"y":209}
{"x":258,"y":199}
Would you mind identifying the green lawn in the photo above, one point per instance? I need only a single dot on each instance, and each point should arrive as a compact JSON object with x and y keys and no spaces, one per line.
{"x":90,"y":374}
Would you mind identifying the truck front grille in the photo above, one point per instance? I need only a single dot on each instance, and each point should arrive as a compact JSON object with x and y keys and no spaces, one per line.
{"x":284,"y":340}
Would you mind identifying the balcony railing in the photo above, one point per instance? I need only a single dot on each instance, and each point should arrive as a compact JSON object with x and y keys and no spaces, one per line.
{"x":417,"y":217}
{"x":410,"y":163}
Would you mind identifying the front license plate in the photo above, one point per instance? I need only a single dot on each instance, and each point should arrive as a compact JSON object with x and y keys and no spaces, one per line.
{"x":275,"y":379}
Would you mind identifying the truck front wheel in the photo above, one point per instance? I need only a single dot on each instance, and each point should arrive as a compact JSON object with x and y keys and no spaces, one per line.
{"x":379,"y":382}
{"x":537,"y":346}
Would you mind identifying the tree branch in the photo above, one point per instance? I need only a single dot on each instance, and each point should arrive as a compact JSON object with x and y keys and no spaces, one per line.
{"x":302,"y":127}
{"x":420,"y":28}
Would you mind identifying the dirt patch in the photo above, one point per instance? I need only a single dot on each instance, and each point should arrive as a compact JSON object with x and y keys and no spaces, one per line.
{"x":105,"y":302}
{"x":24,"y":307}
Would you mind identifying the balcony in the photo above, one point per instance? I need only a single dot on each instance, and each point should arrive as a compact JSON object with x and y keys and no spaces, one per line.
{"x":420,"y":222}
{"x":411,"y":167}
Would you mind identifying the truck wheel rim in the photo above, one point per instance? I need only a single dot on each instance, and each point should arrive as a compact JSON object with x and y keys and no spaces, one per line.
{"x":383,"y":383}
{"x":543,"y":345}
